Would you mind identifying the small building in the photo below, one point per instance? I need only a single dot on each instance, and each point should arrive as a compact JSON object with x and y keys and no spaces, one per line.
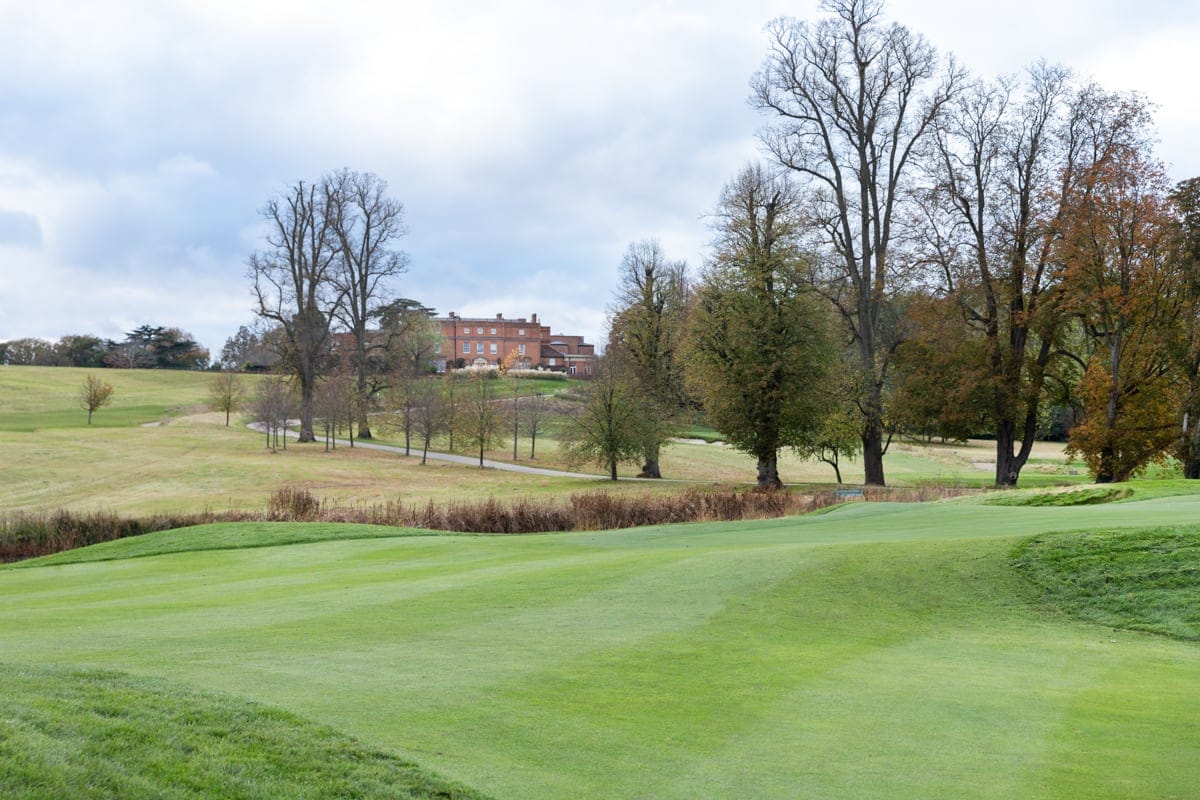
{"x":521,"y":343}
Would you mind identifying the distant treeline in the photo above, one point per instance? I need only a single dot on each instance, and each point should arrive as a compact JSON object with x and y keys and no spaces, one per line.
{"x":145,"y":347}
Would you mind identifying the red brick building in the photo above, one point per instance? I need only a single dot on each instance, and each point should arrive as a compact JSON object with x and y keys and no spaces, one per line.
{"x":480,"y":341}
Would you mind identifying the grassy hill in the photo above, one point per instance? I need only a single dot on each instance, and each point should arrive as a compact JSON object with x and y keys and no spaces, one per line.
{"x":877,"y":651}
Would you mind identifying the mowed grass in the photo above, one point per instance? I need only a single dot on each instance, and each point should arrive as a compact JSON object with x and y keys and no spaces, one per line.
{"x":878,"y":651}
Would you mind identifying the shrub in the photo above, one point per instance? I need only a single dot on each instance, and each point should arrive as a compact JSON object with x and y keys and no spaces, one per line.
{"x":25,"y":536}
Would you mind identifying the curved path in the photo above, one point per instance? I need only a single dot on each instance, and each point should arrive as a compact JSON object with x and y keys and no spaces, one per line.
{"x":504,"y":466}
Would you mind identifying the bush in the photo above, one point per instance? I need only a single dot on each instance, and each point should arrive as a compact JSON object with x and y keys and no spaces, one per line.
{"x":540,"y":374}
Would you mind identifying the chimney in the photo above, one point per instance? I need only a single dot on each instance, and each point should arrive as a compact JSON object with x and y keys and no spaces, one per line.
{"x":533,"y":318}
{"x":499,"y":316}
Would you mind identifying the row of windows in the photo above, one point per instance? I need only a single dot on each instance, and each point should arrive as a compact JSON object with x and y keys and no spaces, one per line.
{"x":491,"y":331}
{"x":492,"y":348}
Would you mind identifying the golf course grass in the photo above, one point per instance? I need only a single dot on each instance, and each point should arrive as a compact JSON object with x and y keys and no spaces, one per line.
{"x":877,"y":651}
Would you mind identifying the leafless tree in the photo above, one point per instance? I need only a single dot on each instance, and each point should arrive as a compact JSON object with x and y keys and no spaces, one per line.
{"x":851,"y":97}
{"x":333,"y":405}
{"x":367,"y":224}
{"x":535,"y":419}
{"x":480,"y":415}
{"x":294,"y":287}
{"x":430,"y":415}
{"x":272,"y":408}
{"x":226,"y":393}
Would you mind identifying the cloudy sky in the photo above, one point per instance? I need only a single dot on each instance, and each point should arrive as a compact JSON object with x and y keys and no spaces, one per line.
{"x":531,"y":141}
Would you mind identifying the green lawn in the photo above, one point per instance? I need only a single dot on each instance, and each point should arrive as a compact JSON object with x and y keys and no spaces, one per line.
{"x":878,"y":651}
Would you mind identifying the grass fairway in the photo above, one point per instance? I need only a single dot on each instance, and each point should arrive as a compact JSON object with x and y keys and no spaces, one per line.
{"x":878,"y":651}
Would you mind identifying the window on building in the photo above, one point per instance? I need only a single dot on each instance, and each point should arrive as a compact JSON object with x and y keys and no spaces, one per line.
{"x":466,"y":330}
{"x":572,"y":369}
{"x":479,"y":331}
{"x":466,"y":347}
{"x":493,"y":332}
{"x":479,"y":347}
{"x":520,"y":331}
{"x":493,"y":348}
{"x":521,"y":349}
{"x":554,"y":362}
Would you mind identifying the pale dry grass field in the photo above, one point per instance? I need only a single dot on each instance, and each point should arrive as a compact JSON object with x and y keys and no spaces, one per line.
{"x":156,"y":450}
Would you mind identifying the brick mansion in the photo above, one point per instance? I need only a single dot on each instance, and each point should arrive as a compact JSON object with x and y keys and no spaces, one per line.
{"x":525,"y":344}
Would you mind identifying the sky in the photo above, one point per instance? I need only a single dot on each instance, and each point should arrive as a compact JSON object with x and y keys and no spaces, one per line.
{"x":530,"y":141}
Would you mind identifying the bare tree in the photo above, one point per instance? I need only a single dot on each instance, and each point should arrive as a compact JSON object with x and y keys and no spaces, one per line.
{"x":403,"y":400}
{"x":849,"y":101}
{"x":293,"y":285}
{"x":366,"y":223}
{"x":535,"y":419}
{"x":480,"y":415}
{"x":430,"y":416}
{"x":94,"y":394}
{"x":272,"y":408}
{"x":332,"y":405}
{"x":226,"y":393}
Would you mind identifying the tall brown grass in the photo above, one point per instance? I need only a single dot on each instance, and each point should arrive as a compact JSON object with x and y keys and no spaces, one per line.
{"x":25,"y":536}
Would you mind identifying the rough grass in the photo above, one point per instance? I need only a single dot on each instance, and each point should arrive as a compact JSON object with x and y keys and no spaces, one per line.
{"x":1145,"y":580}
{"x":98,"y":734}
{"x":189,"y":462}
{"x":1085,"y":496}
{"x":26,"y":536}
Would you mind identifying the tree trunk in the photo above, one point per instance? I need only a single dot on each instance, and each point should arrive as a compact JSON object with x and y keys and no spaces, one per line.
{"x":650,"y":469}
{"x":306,"y":410}
{"x":872,"y":440}
{"x":873,"y":457}
{"x":612,"y":469}
{"x":768,"y":472}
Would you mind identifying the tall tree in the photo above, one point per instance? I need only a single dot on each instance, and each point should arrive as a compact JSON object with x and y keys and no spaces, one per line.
{"x":367,"y":224}
{"x":645,"y":335}
{"x":851,"y":98}
{"x":1005,"y":161}
{"x":82,"y":350}
{"x":1185,"y":346}
{"x":157,"y":347}
{"x":758,"y":344}
{"x":1121,"y":283}
{"x":294,"y":287}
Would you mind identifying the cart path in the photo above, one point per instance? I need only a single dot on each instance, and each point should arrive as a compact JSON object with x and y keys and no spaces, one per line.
{"x":504,"y":466}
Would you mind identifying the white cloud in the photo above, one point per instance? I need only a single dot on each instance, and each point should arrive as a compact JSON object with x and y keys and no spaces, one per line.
{"x":530,"y":141}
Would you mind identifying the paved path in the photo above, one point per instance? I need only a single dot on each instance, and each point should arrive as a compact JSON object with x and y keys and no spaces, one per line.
{"x":504,"y":466}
